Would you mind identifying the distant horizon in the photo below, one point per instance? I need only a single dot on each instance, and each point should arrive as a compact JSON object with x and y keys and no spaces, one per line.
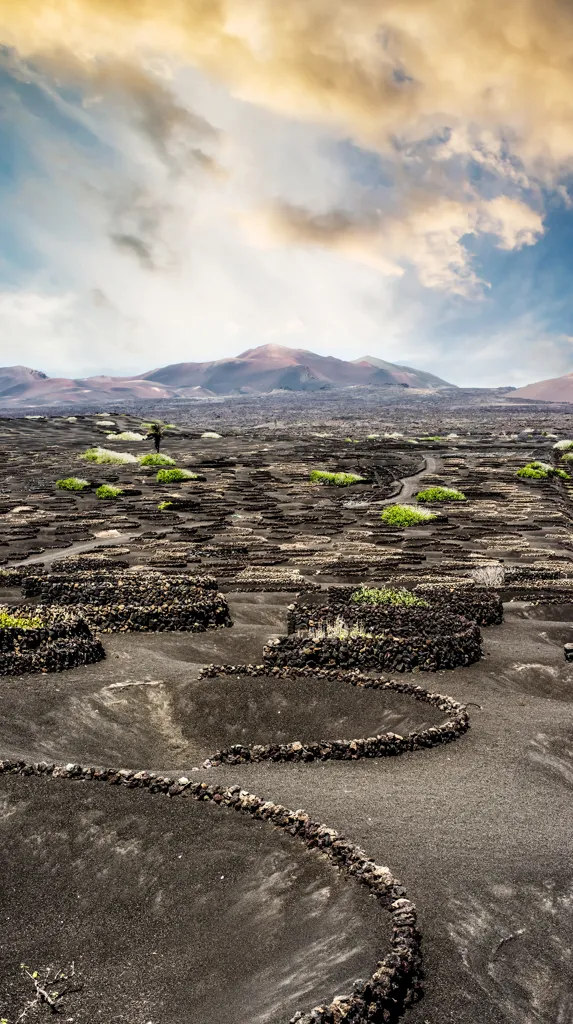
{"x":138,"y":375}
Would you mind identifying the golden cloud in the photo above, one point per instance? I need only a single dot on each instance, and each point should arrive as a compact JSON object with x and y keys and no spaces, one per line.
{"x":427,"y":233}
{"x":375,"y":67}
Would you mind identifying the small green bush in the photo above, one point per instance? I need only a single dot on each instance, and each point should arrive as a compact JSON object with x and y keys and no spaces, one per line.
{"x":108,"y":491}
{"x":387,"y":595}
{"x":163,"y":505}
{"x":405,"y":515}
{"x":320,"y":476}
{"x":105,"y":455}
{"x":171,"y":476}
{"x":440,"y":494}
{"x":155,"y":459}
{"x":541,"y":471}
{"x":529,"y":472}
{"x":72,"y":483}
{"x":8,"y":621}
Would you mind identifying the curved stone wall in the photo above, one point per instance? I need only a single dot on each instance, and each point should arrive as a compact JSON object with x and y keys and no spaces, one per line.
{"x":397,"y":979}
{"x":383,"y":745}
{"x":136,"y":601}
{"x":482,"y":606}
{"x":65,"y":641}
{"x":402,"y":639}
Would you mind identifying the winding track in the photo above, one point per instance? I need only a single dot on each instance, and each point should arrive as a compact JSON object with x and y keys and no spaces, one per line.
{"x":410,"y":483}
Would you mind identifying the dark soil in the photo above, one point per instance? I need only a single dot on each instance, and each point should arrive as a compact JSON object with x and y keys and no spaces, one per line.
{"x":171,"y":910}
{"x":479,"y":831}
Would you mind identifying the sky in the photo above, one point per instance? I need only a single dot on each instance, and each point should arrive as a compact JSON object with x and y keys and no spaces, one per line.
{"x":186,"y":180}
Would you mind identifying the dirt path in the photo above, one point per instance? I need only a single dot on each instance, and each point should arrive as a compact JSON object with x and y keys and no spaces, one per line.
{"x":75,"y":549}
{"x":410,"y":483}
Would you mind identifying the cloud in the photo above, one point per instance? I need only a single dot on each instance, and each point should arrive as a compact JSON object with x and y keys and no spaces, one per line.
{"x":376,"y":69}
{"x":427,"y":233}
{"x":32,"y":310}
{"x":389,"y":74}
{"x":189,"y":184}
{"x":514,"y":223}
{"x":181,"y":138}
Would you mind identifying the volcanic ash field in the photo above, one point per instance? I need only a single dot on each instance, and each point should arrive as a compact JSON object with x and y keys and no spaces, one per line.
{"x":287,"y":722}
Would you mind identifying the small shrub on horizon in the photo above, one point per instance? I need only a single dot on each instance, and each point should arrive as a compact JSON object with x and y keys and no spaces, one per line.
{"x":166,"y":426}
{"x":441,"y":494}
{"x":72,"y":483}
{"x":170,"y":476}
{"x":126,"y":435}
{"x":321,"y":476}
{"x":107,"y":491}
{"x":155,"y":459}
{"x":388,"y":595}
{"x":405,"y":515}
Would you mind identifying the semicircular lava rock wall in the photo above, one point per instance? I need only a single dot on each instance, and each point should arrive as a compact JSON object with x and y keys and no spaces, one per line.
{"x":392,"y":639}
{"x":98,"y":586}
{"x":397,"y":980}
{"x":135,"y":601}
{"x":14,"y":576}
{"x":65,"y":641}
{"x":482,"y":606}
{"x":384,"y":745}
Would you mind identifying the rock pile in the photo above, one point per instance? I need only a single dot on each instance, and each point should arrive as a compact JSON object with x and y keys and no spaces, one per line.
{"x":270,"y":578}
{"x":14,"y":577}
{"x":482,"y":606}
{"x":397,"y":981}
{"x":384,"y":652}
{"x":78,"y":563}
{"x":63,"y":641}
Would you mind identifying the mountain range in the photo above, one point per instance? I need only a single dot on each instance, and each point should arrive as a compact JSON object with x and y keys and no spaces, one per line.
{"x":556,"y":389}
{"x":259,"y":370}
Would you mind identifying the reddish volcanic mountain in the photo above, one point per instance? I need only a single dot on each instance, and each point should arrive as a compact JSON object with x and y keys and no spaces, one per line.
{"x":270,"y":367}
{"x":256,"y":371}
{"x":556,"y":389}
